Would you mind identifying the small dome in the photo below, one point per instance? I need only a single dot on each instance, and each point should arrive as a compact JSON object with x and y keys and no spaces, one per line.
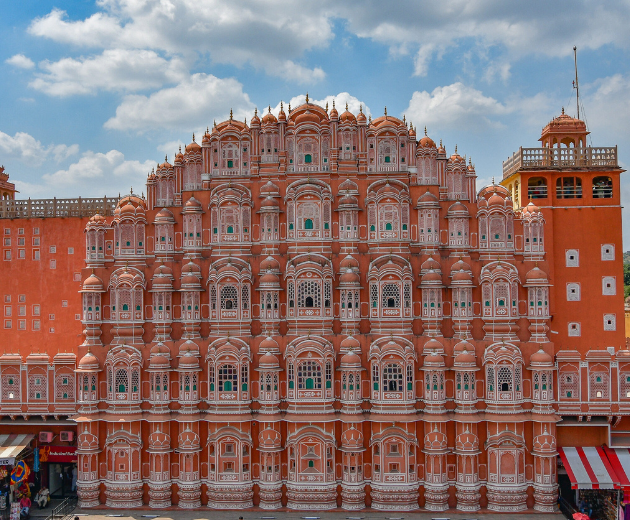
{"x":269,"y":188}
{"x":164,"y":215}
{"x":37,"y":357}
{"x":188,"y":362}
{"x":347,"y":116}
{"x":159,"y":440}
{"x":352,"y":438}
{"x":431,"y":264}
{"x":465,"y":358}
{"x":193,"y":147}
{"x":427,"y":142}
{"x":431,"y":276}
{"x":460,"y":265}
{"x":269,"y":202}
{"x":462,"y":276}
{"x":268,"y":360}
{"x":536,"y":275}
{"x":269,"y":118}
{"x":350,"y":359}
{"x":544,"y":443}
{"x":467,"y":441}
{"x":333,"y":113}
{"x":159,"y":362}
{"x":540,"y":358}
{"x":350,"y":343}
{"x":160,"y":349}
{"x":463,"y":346}
{"x":307,"y":117}
{"x":269,"y":264}
{"x":128,"y":209}
{"x":255,"y":121}
{"x":89,"y":362}
{"x":361,"y":119}
{"x":269,"y":279}
{"x":349,"y":277}
{"x":349,"y":262}
{"x":268,"y":345}
{"x":93,"y":283}
{"x":269,"y":439}
{"x":434,"y":360}
{"x":435,"y":441}
{"x":348,"y":200}
{"x":496,"y":200}
{"x":432,"y":346}
{"x":193,"y":203}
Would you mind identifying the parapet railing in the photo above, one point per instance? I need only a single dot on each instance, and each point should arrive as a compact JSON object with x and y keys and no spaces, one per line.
{"x":589,"y":157}
{"x":44,"y":208}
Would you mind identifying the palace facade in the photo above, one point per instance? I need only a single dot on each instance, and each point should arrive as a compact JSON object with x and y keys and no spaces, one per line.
{"x":321,"y":310}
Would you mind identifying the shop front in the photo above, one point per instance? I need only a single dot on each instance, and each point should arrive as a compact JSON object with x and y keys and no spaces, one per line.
{"x":598,"y":487}
{"x":59,"y":469}
{"x":14,"y":448}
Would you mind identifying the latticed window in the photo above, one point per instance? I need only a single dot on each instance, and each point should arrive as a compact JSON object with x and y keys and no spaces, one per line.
{"x":392,"y":378}
{"x":244,"y":376}
{"x":228,"y":378}
{"x":390,"y":297}
{"x":327,"y":294}
{"x":309,"y":375}
{"x":409,"y":377}
{"x":135,"y":380}
{"x":374,"y":295}
{"x":624,"y":385}
{"x":505,"y":379}
{"x":388,"y":217}
{"x":375,"y":376}
{"x":291,"y":287}
{"x":308,"y":216}
{"x":229,"y":297}
{"x":569,"y":385}
{"x":122,"y":381}
{"x":599,"y":385}
{"x":64,"y":386}
{"x":309,"y":294}
{"x":407,"y":295}
{"x":37,"y":387}
{"x":490,"y":382}
{"x":245,"y":296}
{"x":10,"y":387}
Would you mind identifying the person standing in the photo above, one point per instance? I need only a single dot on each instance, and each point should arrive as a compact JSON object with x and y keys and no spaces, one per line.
{"x":75,"y":475}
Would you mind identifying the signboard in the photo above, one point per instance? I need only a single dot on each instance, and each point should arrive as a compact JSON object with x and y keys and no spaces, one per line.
{"x":9,"y":461}
{"x":58,"y":454}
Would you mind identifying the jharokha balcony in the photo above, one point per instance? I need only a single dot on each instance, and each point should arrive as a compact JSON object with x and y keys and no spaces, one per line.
{"x":562,"y":157}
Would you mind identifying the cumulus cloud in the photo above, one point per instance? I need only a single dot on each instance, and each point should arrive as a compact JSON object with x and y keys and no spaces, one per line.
{"x":454,"y":105}
{"x":95,"y":170}
{"x":194,"y":103}
{"x":113,"y":70}
{"x":20,"y":61}
{"x":268,"y":36}
{"x":25,"y":148}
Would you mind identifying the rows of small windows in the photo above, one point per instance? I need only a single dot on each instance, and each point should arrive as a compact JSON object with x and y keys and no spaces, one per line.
{"x":38,"y":386}
{"x":570,"y":187}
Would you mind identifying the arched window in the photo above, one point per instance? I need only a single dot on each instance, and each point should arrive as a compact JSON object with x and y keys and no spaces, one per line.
{"x":309,"y":375}
{"x":308,"y":223}
{"x":537,"y":188}
{"x":393,"y":377}
{"x":602,"y":188}
{"x":228,"y":378}
{"x":229,"y":297}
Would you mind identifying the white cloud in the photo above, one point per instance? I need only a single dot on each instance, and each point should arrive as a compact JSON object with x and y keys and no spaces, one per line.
{"x":455,"y":105}
{"x":25,"y":148}
{"x":421,"y":61}
{"x":93,"y":171}
{"x":190,"y":105}
{"x":113,"y":70}
{"x":20,"y":61}
{"x":268,"y":36}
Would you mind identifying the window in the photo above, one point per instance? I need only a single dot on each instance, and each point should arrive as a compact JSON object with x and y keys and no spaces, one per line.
{"x":7,"y":254}
{"x":393,"y":378}
{"x":309,"y":375}
{"x":21,"y":242}
{"x":537,"y":188}
{"x":574,"y":329}
{"x":7,"y":310}
{"x":35,"y":254}
{"x":569,"y":188}
{"x":602,"y":188}
{"x":20,"y":231}
{"x":8,"y":324}
{"x":308,"y":158}
{"x":64,"y":303}
{"x":36,"y":324}
{"x":53,"y":264}
{"x":36,"y":310}
{"x":569,"y":385}
{"x":7,"y":242}
{"x":52,"y":249}
{"x":573,"y":292}
{"x":21,"y":254}
{"x":22,"y":298}
{"x":572,"y":258}
{"x":609,"y":286}
{"x":230,"y":163}
{"x":35,"y":231}
{"x":71,"y":250}
{"x":599,"y":387}
{"x":21,"y":310}
{"x":390,"y":296}
{"x":36,"y":241}
{"x":608,"y":252}
{"x":228,"y":378}
{"x":610,"y":322}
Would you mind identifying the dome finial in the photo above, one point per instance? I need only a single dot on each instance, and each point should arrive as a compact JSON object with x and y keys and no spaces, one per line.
{"x":493,"y":181}
{"x":231,"y":115}
{"x":281,"y":106}
{"x":346,"y":106}
{"x":455,"y":149}
{"x":193,"y":137}
{"x":326,"y":106}
{"x":425,"y":132}
{"x":386,"y":111}
{"x":405,"y":119}
{"x":307,"y":97}
{"x":256,"y":112}
{"x":289,"y":108}
{"x":333,"y":103}
{"x":166,"y":158}
{"x":207,"y":129}
{"x":180,"y":148}
{"x":269,"y":109}
{"x":370,"y":118}
{"x":361,"y":108}
{"x":562,"y":110}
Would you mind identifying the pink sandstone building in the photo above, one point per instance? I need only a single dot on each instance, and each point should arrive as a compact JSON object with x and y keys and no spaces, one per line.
{"x":322,"y":310}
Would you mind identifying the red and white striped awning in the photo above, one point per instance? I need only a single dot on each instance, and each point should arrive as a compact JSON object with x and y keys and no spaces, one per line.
{"x":588,"y":468}
{"x":11,"y":445}
{"x":620,"y":461}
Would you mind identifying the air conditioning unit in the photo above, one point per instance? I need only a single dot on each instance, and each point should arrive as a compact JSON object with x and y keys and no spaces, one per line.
{"x":66,"y":436}
{"x":45,"y":436}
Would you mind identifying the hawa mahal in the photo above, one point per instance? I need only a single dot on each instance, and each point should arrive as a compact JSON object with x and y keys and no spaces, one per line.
{"x":322,"y":310}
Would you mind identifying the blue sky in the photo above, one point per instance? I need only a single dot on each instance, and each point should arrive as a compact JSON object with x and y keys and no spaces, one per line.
{"x":95,"y":93}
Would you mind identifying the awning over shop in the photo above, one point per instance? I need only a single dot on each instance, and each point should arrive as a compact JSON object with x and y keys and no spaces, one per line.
{"x":11,"y":446}
{"x":588,"y":468}
{"x":620,"y":461}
